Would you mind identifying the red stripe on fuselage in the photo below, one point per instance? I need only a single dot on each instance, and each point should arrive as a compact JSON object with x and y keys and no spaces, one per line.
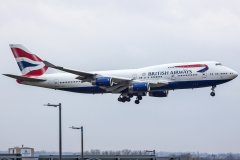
{"x":191,"y":66}
{"x":17,"y":52}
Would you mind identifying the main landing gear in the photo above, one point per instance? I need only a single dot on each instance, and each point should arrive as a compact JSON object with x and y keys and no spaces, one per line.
{"x":138,"y":99}
{"x":213,"y":91}
{"x":124,"y":99}
{"x":127,"y":98}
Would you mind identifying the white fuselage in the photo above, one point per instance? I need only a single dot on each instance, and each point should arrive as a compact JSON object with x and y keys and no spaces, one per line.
{"x":178,"y":75}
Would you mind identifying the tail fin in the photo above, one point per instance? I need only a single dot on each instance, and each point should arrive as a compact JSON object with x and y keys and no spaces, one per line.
{"x":29,"y":64}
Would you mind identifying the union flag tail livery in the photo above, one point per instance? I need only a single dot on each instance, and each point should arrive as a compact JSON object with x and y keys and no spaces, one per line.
{"x":154,"y":81}
{"x":29,"y":64}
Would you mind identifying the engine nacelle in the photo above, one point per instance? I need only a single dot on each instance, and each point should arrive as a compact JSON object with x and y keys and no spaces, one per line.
{"x":139,"y":87}
{"x":103,"y":81}
{"x":158,"y":94}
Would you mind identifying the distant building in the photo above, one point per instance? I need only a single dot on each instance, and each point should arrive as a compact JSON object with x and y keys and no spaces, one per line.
{"x":24,"y":151}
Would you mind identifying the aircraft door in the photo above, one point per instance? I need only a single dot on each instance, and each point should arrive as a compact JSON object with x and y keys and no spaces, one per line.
{"x":134,"y":76}
{"x":56,"y":83}
{"x":172,"y":77}
{"x":204,"y":75}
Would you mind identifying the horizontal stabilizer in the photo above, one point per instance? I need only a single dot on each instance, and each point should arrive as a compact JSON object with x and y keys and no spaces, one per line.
{"x":24,"y":78}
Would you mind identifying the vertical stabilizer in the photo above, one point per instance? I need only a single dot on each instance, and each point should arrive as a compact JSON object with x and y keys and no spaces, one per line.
{"x":29,"y":64}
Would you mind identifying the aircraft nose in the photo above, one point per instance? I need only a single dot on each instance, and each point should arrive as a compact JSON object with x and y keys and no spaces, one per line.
{"x":234,"y":74}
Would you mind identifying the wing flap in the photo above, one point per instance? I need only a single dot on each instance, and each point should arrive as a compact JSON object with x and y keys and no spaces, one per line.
{"x":158,"y":84}
{"x":116,"y":88}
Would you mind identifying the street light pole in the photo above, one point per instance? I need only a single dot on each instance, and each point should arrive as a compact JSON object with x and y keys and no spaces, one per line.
{"x":60,"y":126}
{"x":82,"y":141}
{"x":60,"y":131}
{"x":81,"y":138}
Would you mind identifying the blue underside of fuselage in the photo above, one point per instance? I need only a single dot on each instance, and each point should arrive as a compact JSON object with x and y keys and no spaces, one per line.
{"x":170,"y":86}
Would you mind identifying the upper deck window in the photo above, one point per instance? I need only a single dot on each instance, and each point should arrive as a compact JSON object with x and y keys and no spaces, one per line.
{"x":218,"y":64}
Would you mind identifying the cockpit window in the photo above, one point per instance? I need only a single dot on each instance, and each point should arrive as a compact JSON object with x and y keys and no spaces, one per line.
{"x":218,"y":64}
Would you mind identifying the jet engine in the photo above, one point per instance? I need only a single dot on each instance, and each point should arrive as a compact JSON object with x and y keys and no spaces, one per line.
{"x":139,"y":87}
{"x":103,"y":81}
{"x":158,"y":94}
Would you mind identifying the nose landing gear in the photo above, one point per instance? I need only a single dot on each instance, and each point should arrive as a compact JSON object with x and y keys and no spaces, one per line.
{"x":212,"y":94}
{"x":213,"y":91}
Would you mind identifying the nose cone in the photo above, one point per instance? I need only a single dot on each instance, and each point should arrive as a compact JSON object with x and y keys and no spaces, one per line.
{"x":235,"y":74}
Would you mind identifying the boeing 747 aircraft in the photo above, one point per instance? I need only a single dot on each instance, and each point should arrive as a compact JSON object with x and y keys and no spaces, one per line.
{"x":155,"y":81}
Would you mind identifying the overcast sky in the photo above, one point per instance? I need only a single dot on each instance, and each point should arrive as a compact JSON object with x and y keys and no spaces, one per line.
{"x":101,"y":35}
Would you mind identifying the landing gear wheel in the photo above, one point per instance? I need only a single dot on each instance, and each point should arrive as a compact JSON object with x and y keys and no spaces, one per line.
{"x":137,"y":101}
{"x":130,"y":96}
{"x":124,"y":99}
{"x":213,"y":91}
{"x":119,"y":99}
{"x":212,"y":94}
{"x":139,"y":97}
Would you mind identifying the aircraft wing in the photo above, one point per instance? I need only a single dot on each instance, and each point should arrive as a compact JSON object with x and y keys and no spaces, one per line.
{"x":22,"y":78}
{"x":120,"y":83}
{"x":85,"y":76}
